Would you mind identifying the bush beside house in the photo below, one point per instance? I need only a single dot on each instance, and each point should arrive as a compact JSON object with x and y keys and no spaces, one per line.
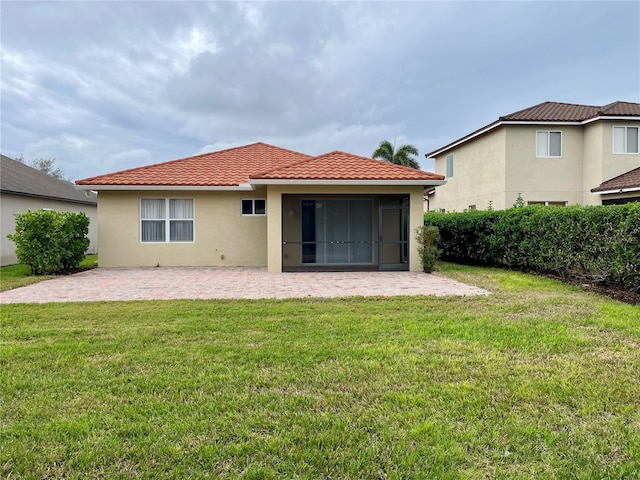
{"x":596,"y":243}
{"x":50,"y":241}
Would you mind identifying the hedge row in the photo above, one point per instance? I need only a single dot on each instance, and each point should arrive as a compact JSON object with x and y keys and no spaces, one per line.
{"x":600,"y":243}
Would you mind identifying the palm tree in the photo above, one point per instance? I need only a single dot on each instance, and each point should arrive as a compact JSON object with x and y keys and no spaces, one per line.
{"x":403,"y":156}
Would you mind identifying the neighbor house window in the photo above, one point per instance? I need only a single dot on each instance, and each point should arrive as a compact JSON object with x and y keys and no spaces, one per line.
{"x":450,"y":165}
{"x":166,"y":219}
{"x":625,"y":139}
{"x":254,"y":206}
{"x":548,"y":144}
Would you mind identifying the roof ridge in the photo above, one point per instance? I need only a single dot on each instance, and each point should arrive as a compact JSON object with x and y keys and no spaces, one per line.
{"x":370,"y":159}
{"x":193,"y":157}
{"x":502,"y":117}
{"x":288,"y":165}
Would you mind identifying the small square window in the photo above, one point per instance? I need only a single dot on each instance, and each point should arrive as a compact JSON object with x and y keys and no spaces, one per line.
{"x":254,"y":207}
{"x":548,"y":144}
{"x":247,"y":207}
{"x":625,"y":140}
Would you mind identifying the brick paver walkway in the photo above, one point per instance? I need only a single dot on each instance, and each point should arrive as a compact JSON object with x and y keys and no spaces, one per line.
{"x":208,"y":282}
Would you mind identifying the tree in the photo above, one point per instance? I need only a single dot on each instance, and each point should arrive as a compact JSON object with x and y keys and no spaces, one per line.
{"x":46,"y":165}
{"x":404,"y":155}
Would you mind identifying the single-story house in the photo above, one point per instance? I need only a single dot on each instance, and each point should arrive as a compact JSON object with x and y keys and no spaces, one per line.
{"x":262,"y":205}
{"x":24,"y":188}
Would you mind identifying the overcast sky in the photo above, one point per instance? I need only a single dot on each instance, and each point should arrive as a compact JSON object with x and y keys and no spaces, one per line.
{"x":103,"y":86}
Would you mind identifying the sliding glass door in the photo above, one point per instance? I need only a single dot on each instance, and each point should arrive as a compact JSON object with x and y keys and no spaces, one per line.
{"x":337,"y":231}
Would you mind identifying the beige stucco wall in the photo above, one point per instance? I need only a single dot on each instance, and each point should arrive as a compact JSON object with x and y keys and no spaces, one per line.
{"x":478,"y":175}
{"x":274,"y":214}
{"x":600,"y":163}
{"x":543,"y":179}
{"x":501,"y":164}
{"x":12,"y":204}
{"x":222,"y":236}
{"x":616,"y":164}
{"x":592,"y":172}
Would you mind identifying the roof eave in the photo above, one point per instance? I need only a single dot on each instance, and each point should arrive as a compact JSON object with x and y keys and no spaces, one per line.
{"x":499,"y":123}
{"x":241,"y":187}
{"x":276,"y":181}
{"x":617,"y":190}
{"x":49,"y":197}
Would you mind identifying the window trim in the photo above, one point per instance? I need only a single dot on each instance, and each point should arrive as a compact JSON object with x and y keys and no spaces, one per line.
{"x":167,"y":220}
{"x":253,"y":207}
{"x":549,"y":132}
{"x":613,"y":139}
{"x":447,"y":164}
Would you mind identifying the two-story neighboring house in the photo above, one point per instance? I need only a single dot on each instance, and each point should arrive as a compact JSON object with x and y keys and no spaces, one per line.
{"x":552,"y":153}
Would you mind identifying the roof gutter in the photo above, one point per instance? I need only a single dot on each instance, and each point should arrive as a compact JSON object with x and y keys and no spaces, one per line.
{"x":243,"y":187}
{"x":499,"y":123}
{"x":617,"y":190}
{"x":273,"y":181}
{"x":89,"y":200}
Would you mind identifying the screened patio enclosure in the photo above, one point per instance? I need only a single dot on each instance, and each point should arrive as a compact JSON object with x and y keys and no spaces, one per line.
{"x":345,"y":232}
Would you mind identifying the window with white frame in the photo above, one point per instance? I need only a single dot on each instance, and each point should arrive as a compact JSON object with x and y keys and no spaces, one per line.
{"x":625,"y":140}
{"x":166,"y":220}
{"x":254,"y":206}
{"x":449,"y":161}
{"x":548,"y":144}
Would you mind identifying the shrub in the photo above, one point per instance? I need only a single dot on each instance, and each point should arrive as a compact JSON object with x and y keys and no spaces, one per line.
{"x":599,"y":243}
{"x":50,"y":241}
{"x":427,"y":238}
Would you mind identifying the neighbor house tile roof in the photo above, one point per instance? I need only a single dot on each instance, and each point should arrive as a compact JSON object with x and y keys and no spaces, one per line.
{"x":16,"y":178}
{"x":569,"y":112}
{"x":552,"y":112}
{"x":345,"y":166}
{"x":630,"y":179}
{"x":258,"y":161}
{"x":230,"y":167}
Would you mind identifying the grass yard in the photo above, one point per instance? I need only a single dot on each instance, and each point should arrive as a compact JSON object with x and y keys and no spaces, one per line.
{"x":538,"y":380}
{"x":14,"y":276}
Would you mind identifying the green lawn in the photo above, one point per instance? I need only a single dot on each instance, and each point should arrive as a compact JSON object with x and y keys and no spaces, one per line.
{"x":538,"y":380}
{"x":14,"y":276}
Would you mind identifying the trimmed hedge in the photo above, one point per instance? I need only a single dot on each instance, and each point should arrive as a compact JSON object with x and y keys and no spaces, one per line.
{"x":50,"y":241}
{"x":600,"y":243}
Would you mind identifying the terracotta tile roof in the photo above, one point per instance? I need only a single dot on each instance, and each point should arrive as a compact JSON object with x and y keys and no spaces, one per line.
{"x":229,"y":167}
{"x":345,"y":166}
{"x":238,"y":165}
{"x":631,"y":179}
{"x":553,"y":112}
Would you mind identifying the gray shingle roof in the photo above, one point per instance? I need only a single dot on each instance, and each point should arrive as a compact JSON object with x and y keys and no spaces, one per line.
{"x":19,"y":179}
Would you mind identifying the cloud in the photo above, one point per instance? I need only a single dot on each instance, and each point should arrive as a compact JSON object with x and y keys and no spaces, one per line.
{"x":100,"y":85}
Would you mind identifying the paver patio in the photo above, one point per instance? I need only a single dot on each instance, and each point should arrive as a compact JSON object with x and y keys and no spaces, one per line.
{"x":241,"y":282}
